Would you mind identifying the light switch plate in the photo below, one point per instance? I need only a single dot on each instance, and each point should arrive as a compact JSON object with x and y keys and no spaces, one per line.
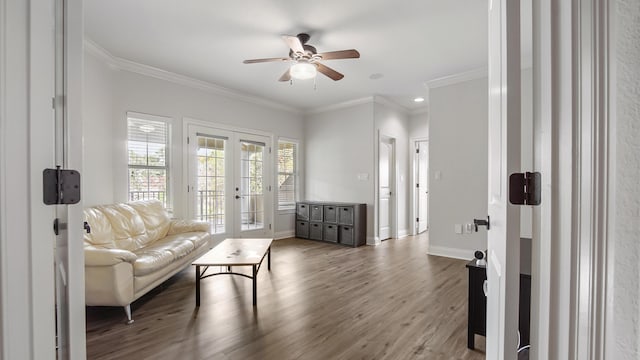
{"x":457,"y":228}
{"x":363,"y":176}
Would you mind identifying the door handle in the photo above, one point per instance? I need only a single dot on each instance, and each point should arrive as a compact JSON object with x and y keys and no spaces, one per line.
{"x":238,"y":196}
{"x":480,"y":222}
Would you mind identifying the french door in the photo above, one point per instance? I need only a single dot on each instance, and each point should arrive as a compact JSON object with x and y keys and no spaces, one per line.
{"x":229,"y":182}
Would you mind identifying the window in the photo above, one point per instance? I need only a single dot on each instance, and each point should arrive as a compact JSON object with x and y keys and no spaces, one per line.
{"x":147,"y":149}
{"x":287,"y":175}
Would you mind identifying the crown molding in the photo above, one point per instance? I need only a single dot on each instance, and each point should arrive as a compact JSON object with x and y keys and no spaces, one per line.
{"x":342,"y":105}
{"x":479,"y":73}
{"x":474,"y":74}
{"x":379,"y":99}
{"x":420,"y":111}
{"x":131,"y":66}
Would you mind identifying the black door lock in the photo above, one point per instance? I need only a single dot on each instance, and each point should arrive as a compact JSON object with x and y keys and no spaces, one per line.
{"x":480,"y":222}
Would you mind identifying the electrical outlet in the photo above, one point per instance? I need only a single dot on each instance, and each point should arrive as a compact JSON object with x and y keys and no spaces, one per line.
{"x":469,"y":228}
{"x":457,"y":228}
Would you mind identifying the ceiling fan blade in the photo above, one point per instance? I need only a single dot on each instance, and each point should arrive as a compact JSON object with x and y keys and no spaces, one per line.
{"x":294,"y":43}
{"x":286,"y":76}
{"x":342,"y":54}
{"x":253,"y":61}
{"x":329,"y":72}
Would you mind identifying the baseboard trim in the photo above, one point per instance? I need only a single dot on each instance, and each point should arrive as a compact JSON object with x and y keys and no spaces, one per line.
{"x":455,"y":253}
{"x":373,"y":240}
{"x":403,"y":233}
{"x":284,"y":234}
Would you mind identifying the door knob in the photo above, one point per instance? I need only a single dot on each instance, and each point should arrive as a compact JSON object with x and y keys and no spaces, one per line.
{"x":481,"y":222}
{"x":238,"y":197}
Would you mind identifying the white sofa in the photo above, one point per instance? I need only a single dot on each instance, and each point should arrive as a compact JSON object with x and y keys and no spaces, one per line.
{"x":133,"y":248}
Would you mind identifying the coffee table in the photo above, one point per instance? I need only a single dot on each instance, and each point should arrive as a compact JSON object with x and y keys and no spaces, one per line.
{"x":234,"y":252}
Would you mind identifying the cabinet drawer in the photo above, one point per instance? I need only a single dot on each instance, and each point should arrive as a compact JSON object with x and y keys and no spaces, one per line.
{"x":316,"y":213}
{"x":346,"y":235}
{"x":302,"y":212}
{"x":330,"y":214}
{"x":315,"y":231}
{"x":302,"y":229}
{"x":330,"y":232}
{"x":345,"y":215}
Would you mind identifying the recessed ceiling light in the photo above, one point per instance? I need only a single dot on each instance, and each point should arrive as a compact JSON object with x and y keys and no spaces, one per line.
{"x":419,"y":99}
{"x":376,"y":76}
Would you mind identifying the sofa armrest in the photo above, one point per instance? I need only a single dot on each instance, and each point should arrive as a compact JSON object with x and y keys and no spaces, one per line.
{"x":183,"y":226}
{"x":107,"y":257}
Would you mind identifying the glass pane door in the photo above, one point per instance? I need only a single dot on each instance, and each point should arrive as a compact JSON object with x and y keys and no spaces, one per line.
{"x":210,"y":193}
{"x":251,"y":190}
{"x":229,"y":182}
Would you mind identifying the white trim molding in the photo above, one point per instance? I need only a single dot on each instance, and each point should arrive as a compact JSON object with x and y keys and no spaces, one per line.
{"x":142,"y":69}
{"x":592,"y":131}
{"x":284,"y":235}
{"x":342,"y":105}
{"x":447,"y":80}
{"x":454,"y":253}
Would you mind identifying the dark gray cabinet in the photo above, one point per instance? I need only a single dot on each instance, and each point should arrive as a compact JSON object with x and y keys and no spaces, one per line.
{"x":341,"y":223}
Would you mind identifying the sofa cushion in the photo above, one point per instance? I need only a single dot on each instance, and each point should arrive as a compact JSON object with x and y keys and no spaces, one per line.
{"x":151,"y":260}
{"x":128,"y":228}
{"x":155,"y":218}
{"x":101,"y":234}
{"x":166,"y":251}
{"x":197,"y":239}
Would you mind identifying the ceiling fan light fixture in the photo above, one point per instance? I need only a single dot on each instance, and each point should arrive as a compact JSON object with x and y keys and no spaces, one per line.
{"x":303,"y":71}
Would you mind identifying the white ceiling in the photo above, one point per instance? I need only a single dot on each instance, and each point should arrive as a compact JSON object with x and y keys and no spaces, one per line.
{"x":407,"y":41}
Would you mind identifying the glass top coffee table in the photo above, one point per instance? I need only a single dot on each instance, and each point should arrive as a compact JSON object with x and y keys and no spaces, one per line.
{"x":234,"y":252}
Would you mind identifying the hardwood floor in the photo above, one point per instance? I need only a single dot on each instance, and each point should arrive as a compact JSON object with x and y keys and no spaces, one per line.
{"x":320,"y":301}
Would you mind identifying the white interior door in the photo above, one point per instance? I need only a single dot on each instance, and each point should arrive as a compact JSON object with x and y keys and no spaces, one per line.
{"x":422,"y":188}
{"x":229,"y":183}
{"x":503,"y":268}
{"x":385,"y":185}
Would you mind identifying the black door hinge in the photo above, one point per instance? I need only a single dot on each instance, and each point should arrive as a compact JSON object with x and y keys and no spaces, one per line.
{"x":524,"y":188}
{"x":60,"y":186}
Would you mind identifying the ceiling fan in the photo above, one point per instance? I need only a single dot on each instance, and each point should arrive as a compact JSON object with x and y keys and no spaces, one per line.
{"x":307,"y":59}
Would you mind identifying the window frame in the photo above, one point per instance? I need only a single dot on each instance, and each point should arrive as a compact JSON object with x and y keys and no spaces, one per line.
{"x":288,"y":208}
{"x":168,"y":153}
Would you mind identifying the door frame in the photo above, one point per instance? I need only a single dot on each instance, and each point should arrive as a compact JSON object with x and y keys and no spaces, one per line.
{"x":393,"y":208}
{"x":413,"y":211}
{"x":26,"y":286}
{"x":271,"y":178}
{"x":574,"y":119}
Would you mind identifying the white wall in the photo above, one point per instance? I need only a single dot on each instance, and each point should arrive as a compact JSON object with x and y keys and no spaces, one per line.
{"x":393,"y":122}
{"x":338,"y":146}
{"x":626,"y":246}
{"x":98,"y":124}
{"x":458,"y":153}
{"x":144,"y":94}
{"x":419,"y":125}
{"x":457,"y":130}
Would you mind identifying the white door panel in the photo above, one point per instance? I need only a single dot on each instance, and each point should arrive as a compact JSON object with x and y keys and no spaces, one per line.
{"x":503,"y":270}
{"x":422,"y":189}
{"x":385,"y":185}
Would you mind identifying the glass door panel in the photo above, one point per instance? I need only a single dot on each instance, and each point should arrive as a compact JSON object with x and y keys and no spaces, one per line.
{"x":251,"y":189}
{"x":211,"y":192}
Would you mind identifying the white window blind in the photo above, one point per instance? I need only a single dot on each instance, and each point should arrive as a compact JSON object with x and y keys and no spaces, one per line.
{"x":147,"y":149}
{"x":287,"y":175}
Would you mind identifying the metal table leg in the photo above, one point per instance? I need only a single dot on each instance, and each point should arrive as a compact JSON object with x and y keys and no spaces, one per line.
{"x":197,"y":285}
{"x":255,"y":282}
{"x":269,"y":259}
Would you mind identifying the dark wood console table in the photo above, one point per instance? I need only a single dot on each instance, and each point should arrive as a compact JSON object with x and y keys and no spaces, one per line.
{"x":477,"y":321}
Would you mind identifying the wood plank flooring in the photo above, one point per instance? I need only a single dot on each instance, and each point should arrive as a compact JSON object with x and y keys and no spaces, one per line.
{"x":319,"y":301}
